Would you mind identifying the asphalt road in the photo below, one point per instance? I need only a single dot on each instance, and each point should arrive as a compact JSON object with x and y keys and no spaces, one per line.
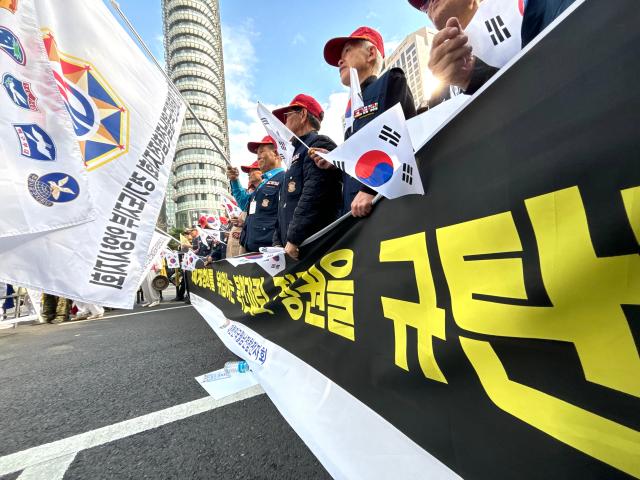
{"x":58,"y":382}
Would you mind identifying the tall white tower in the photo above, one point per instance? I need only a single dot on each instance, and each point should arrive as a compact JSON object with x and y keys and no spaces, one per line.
{"x":193,"y":47}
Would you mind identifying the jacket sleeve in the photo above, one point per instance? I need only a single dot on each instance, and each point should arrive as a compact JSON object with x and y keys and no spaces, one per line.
{"x":319,"y":192}
{"x":479,"y":76}
{"x":240,"y":194}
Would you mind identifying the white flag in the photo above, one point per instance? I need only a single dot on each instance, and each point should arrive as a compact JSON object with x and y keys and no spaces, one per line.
{"x":279,"y":132}
{"x":157,"y":246}
{"x":214,"y":222}
{"x":271,"y":259}
{"x":494,"y":31}
{"x":127,"y":144}
{"x":355,"y":99}
{"x":43,"y":182}
{"x":424,"y":126}
{"x":231,"y":206}
{"x":172,"y":258}
{"x":205,"y":234}
{"x":189,"y":260}
{"x":380,"y":155}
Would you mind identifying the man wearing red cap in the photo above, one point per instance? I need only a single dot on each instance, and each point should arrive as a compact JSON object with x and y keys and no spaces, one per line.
{"x":450,"y":59}
{"x":262,"y":204}
{"x":364,"y":51}
{"x":309,"y":196}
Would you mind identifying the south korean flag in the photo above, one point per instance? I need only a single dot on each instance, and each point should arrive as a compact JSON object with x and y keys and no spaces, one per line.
{"x":279,"y":132}
{"x":494,"y":31}
{"x":171,"y":258}
{"x":381,"y":156}
{"x":355,"y":99}
{"x":189,"y":261}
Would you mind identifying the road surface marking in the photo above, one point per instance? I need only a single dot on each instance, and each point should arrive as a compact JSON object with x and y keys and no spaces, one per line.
{"x":51,"y":470}
{"x":76,"y":322}
{"x":72,"y":445}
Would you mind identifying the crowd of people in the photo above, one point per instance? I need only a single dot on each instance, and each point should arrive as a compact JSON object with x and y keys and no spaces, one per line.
{"x":283,"y":208}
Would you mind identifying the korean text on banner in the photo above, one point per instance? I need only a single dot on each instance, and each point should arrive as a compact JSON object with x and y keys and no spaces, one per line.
{"x":127,"y":147}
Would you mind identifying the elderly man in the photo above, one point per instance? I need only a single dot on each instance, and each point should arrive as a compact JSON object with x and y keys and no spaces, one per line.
{"x":309,"y":196}
{"x":364,"y":51}
{"x":451,"y":60}
{"x":262,"y":204}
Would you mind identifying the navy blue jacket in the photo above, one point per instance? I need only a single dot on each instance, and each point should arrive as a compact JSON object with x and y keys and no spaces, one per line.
{"x":259,"y":226}
{"x":310,"y":197}
{"x":379,"y":94}
{"x":538,"y":14}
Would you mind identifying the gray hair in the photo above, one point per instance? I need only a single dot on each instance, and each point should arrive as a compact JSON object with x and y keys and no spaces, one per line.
{"x":379,"y":62}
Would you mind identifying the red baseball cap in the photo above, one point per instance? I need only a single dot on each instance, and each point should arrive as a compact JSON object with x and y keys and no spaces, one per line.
{"x":253,"y":146}
{"x":300,"y":101}
{"x":333,"y":48}
{"x":203,"y":221}
{"x":421,"y":5}
{"x":248,"y":168}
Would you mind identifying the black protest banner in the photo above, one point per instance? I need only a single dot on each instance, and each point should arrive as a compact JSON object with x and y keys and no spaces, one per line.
{"x":495,"y":321}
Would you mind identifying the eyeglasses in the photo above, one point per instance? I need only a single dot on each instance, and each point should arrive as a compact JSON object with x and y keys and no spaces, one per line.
{"x":291,"y":112}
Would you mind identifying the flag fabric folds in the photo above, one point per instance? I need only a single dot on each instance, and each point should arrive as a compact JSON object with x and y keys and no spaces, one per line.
{"x":355,"y":99}
{"x":127,"y":133}
{"x":189,"y":260}
{"x":494,"y":31}
{"x":279,"y":132}
{"x":380,"y":155}
{"x":171,"y":257}
{"x":231,"y":206}
{"x":43,"y":181}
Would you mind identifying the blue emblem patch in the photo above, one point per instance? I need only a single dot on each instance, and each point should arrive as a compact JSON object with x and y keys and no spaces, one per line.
{"x":53,"y":188}
{"x":35,"y":143}
{"x":10,"y":44}
{"x":20,"y":92}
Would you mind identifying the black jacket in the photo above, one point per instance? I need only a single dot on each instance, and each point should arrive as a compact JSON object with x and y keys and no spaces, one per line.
{"x":309,"y":196}
{"x":538,"y":14}
{"x":381,"y":93}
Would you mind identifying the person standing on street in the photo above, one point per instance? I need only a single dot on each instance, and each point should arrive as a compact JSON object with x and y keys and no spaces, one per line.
{"x":262,"y":204}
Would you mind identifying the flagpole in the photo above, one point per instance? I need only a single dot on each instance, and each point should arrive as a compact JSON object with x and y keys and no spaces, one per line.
{"x":116,"y":6}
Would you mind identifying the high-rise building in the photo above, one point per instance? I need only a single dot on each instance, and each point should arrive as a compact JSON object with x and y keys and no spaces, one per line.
{"x":412,"y":55}
{"x":193,"y":47}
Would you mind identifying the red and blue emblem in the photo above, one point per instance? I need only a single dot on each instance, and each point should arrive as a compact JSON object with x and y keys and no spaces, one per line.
{"x":35,"y":143}
{"x":374,"y":168}
{"x":20,"y":92}
{"x":10,"y":44}
{"x":100,"y":119}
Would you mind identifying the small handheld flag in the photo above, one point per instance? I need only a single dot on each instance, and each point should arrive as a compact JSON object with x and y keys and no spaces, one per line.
{"x":381,"y":156}
{"x":355,"y":99}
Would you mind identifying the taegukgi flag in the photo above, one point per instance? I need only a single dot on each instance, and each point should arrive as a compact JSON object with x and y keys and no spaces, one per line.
{"x":43,"y":181}
{"x":381,"y":156}
{"x":494,"y":31}
{"x":271,"y":259}
{"x":171,"y":257}
{"x":189,"y":260}
{"x":279,"y":132}
{"x":126,"y":119}
{"x":231,"y":206}
{"x":355,"y":99}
